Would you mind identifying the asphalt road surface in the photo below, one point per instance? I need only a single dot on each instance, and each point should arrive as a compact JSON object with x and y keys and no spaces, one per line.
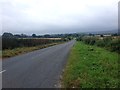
{"x":37,"y":69}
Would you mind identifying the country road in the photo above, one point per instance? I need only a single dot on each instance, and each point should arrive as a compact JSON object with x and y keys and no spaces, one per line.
{"x":37,"y":69}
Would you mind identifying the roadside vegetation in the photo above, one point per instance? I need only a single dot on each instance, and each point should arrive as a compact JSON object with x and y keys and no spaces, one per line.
{"x":11,"y":43}
{"x":0,"y":54}
{"x":111,"y":43}
{"x":90,"y":66}
{"x":21,"y":50}
{"x":18,"y":44}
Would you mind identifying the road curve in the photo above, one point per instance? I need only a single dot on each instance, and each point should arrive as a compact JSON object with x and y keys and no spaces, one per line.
{"x":37,"y":69}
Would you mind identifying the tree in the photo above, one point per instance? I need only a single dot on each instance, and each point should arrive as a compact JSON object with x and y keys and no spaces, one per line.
{"x":101,"y":35}
{"x":47,"y":36}
{"x":7,"y":35}
{"x":34,"y":35}
{"x":23,"y":35}
{"x":17,"y":36}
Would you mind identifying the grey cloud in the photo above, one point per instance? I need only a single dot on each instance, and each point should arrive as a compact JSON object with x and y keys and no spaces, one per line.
{"x":95,"y":19}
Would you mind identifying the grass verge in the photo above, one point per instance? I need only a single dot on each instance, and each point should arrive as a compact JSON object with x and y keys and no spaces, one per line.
{"x":13,"y":52}
{"x":91,"y":67}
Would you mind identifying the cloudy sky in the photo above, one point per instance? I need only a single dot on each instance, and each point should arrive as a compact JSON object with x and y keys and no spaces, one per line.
{"x":58,"y":16}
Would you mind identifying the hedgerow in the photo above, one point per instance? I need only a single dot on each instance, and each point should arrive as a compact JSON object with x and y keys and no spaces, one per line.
{"x":110,"y":43}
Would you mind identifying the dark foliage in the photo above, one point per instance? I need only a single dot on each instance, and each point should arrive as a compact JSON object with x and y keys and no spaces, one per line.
{"x":8,"y":35}
{"x":11,"y":43}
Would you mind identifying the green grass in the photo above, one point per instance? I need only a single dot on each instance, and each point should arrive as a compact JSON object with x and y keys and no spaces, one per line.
{"x":91,"y":67}
{"x":21,"y":50}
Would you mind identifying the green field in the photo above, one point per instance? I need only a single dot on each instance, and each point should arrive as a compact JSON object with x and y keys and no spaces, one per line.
{"x":91,"y":67}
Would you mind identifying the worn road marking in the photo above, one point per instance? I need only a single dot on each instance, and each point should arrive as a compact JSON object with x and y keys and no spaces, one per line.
{"x":2,"y":71}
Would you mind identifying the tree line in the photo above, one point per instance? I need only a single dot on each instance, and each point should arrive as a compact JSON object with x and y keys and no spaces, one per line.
{"x":10,"y":41}
{"x":10,"y":35}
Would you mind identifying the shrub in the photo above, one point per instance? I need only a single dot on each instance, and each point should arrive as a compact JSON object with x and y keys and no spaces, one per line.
{"x":89,"y":40}
{"x":107,"y":42}
{"x":11,"y":43}
{"x":100,"y":43}
{"x":115,"y":45}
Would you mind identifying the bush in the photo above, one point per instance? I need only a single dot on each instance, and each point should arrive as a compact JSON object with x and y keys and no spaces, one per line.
{"x":100,"y":43}
{"x":11,"y":43}
{"x":89,"y":40}
{"x":115,"y":45}
{"x":112,"y":44}
{"x":79,"y":38}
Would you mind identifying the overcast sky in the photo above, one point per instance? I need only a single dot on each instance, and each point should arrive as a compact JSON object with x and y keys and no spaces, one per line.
{"x":58,"y":16}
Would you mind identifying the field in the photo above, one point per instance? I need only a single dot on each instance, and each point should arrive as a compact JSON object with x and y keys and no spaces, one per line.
{"x":91,"y":67}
